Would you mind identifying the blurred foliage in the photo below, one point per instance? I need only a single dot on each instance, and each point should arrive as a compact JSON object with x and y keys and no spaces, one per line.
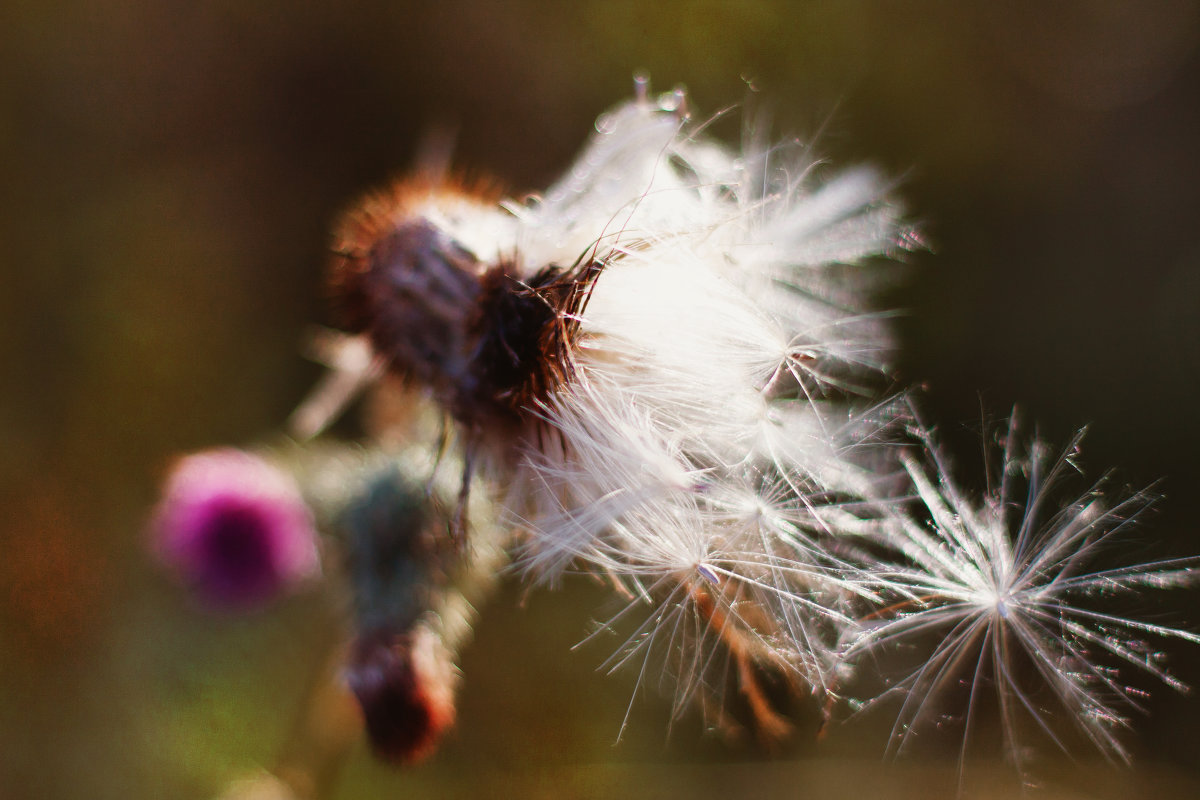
{"x":171,"y":171}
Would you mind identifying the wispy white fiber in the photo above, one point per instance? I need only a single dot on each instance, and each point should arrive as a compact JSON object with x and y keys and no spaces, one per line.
{"x":693,"y":459}
{"x":1001,"y":589}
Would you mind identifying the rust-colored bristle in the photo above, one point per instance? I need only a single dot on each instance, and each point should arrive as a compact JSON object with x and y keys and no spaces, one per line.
{"x":488,"y":342}
{"x":376,"y":216}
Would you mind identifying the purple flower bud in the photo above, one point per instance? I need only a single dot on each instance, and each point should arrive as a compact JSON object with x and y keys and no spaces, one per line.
{"x":235,"y":528}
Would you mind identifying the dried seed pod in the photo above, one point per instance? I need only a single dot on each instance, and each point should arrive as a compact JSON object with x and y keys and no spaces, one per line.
{"x":415,"y":594}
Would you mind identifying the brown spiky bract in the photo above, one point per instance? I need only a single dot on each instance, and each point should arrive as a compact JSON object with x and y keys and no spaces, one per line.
{"x":488,"y":345}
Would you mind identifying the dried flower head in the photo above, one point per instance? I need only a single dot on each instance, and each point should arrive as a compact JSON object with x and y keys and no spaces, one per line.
{"x":646,"y":343}
{"x":416,"y":590}
{"x":234,"y":528}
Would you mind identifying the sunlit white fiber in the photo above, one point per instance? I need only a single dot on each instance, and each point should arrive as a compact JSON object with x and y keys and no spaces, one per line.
{"x":729,"y":585}
{"x":691,"y":456}
{"x":708,"y":320}
{"x":1000,"y":584}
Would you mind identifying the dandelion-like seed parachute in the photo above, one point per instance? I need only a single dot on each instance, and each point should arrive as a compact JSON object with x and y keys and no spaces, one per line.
{"x":1003,"y":584}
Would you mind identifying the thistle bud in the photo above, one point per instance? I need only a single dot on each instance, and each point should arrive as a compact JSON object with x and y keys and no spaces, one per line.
{"x":234,"y":528}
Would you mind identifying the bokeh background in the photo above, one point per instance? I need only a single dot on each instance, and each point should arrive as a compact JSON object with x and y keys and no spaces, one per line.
{"x":170,"y":172}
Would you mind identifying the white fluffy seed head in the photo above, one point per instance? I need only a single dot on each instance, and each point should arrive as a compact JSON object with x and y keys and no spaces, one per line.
{"x":639,"y":357}
{"x":701,"y":337}
{"x":657,"y":363}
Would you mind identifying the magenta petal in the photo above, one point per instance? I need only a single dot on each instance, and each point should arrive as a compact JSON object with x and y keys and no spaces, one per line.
{"x":235,"y":528}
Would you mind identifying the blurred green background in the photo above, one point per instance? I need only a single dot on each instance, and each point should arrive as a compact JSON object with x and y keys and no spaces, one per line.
{"x":170,"y":173}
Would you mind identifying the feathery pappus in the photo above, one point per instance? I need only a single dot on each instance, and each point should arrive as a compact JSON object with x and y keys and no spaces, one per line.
{"x":642,"y":359}
{"x":1011,"y":590}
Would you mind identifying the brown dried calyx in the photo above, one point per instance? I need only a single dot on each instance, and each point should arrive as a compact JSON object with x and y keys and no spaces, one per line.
{"x":405,"y":682}
{"x":486,"y":342}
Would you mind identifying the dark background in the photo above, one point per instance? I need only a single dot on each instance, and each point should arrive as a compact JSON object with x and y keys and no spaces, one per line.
{"x":170,"y":172}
